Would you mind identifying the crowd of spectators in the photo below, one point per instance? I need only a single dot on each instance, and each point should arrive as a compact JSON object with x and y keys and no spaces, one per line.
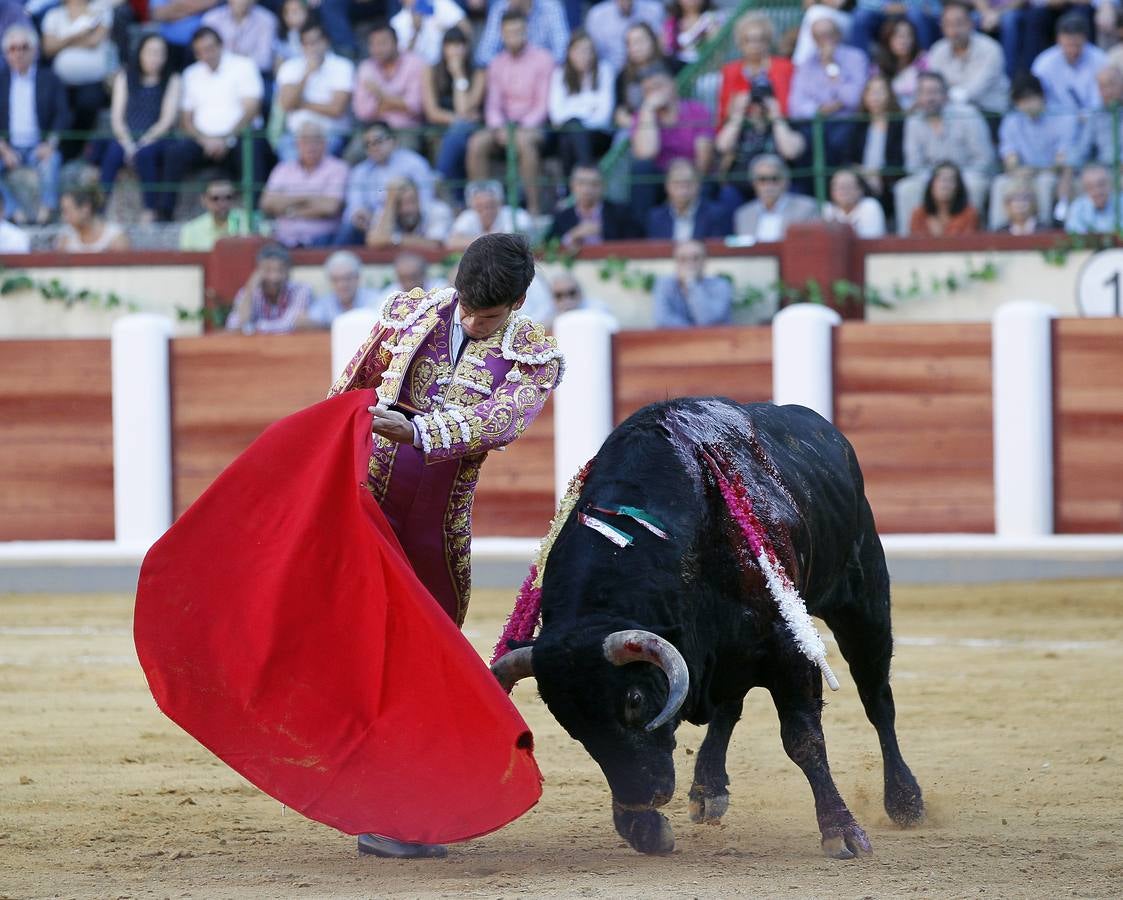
{"x":932,"y":118}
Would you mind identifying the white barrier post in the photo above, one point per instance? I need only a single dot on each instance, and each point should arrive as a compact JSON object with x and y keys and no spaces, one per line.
{"x":348,"y":331}
{"x":803,"y":357}
{"x":1022,"y":379}
{"x":583,"y":401}
{"x":142,"y":428}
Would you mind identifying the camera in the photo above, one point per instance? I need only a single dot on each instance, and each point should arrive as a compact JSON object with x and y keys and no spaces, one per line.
{"x":760,"y":92}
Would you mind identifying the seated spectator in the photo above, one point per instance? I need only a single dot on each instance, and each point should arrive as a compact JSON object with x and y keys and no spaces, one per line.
{"x":145,"y":105}
{"x":580,"y":104}
{"x":344,"y":273}
{"x":1068,"y":69}
{"x":756,"y":125}
{"x":945,"y":210}
{"x":568,"y":296}
{"x":899,"y":58}
{"x":972,"y":64}
{"x":453,"y":97}
{"x":221,"y":97}
{"x":388,"y":86}
{"x":179,"y":21}
{"x":410,"y":272}
{"x":667,"y":128}
{"x":33,"y":111}
{"x":223,"y":218}
{"x":316,"y":87}
{"x":304,"y":197}
{"x":590,"y":219}
{"x":76,"y":41}
{"x":877,"y":144}
{"x":870,"y":15}
{"x":84,"y":228}
{"x":248,"y":30}
{"x":13,"y":239}
{"x":1096,"y":210}
{"x":270,"y":303}
{"x":642,"y":58}
{"x":1020,"y":208}
{"x":546,"y":28}
{"x":421,"y":25}
{"x":757,"y":66}
{"x":485,"y":214}
{"x":852,"y":204}
{"x":1099,"y":136}
{"x":403,"y":221}
{"x":813,"y":11}
{"x":366,"y":185}
{"x":686,"y":214}
{"x":1042,"y":21}
{"x":518,"y":93}
{"x":935,"y":132}
{"x":767,"y":218}
{"x":830,"y":85}
{"x":688,"y":26}
{"x":688,"y":297}
{"x":294,"y":13}
{"x":608,"y":22}
{"x":1043,"y":144}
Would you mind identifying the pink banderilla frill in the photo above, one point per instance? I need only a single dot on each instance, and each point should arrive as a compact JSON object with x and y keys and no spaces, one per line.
{"x":792,"y":608}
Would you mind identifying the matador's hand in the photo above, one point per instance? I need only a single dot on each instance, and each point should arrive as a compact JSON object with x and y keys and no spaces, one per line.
{"x":391,"y":424}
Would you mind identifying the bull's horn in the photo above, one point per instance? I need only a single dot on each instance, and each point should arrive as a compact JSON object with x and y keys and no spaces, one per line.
{"x":623,"y":647}
{"x":512,"y":667}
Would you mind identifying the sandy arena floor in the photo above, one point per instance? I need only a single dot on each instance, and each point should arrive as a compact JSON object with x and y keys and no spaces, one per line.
{"x":1008,"y":712}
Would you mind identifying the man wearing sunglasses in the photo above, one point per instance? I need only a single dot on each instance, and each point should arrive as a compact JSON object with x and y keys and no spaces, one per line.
{"x":33,"y":110}
{"x":224,"y":217}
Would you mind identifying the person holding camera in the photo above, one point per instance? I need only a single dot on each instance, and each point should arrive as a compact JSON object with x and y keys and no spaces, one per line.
{"x":755,"y":125}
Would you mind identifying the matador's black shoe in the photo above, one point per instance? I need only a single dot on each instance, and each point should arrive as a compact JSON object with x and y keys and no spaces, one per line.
{"x":376,"y":845}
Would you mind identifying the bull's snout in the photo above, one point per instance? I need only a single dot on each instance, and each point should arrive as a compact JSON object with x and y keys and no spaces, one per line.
{"x":644,"y":828}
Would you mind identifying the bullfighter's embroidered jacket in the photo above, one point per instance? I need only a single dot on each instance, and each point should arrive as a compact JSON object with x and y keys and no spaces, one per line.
{"x":464,"y":409}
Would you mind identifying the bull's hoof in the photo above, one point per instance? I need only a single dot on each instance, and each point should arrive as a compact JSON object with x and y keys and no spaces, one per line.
{"x":707,"y":807}
{"x":846,"y":842}
{"x":903,"y":801}
{"x":645,"y":830}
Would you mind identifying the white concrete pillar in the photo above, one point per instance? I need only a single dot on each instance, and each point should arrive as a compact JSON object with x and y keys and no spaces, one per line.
{"x":583,"y":401}
{"x":1022,"y":382}
{"x":142,"y":428}
{"x":348,"y":331}
{"x":803,"y":357}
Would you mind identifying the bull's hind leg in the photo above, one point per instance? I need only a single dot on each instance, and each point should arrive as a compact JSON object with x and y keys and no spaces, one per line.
{"x":860,"y":623}
{"x":799,"y":701}
{"x":709,"y":795}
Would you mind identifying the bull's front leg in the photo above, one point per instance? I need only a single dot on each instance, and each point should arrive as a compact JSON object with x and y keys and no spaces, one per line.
{"x":709,"y":795}
{"x":799,"y":702}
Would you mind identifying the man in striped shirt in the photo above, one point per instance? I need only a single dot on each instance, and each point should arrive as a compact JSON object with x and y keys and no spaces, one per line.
{"x":270,"y":303}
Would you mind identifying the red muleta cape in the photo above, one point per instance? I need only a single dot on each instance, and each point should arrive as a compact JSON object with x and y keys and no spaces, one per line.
{"x":280,"y":624}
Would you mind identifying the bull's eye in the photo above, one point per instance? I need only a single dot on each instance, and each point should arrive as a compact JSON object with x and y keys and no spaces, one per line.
{"x":633,"y":706}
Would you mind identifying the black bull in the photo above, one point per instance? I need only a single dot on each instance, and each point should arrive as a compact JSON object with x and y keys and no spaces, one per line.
{"x":696,"y":604}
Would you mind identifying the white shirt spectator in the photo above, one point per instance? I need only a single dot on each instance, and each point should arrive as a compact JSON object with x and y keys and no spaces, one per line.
{"x":468,"y":223}
{"x":76,"y":64}
{"x":978,"y":77}
{"x":13,"y":239}
{"x":426,"y":40}
{"x":325,"y":308}
{"x":214,"y":96}
{"x":867,"y":218}
{"x":592,"y":107}
{"x":334,"y":74}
